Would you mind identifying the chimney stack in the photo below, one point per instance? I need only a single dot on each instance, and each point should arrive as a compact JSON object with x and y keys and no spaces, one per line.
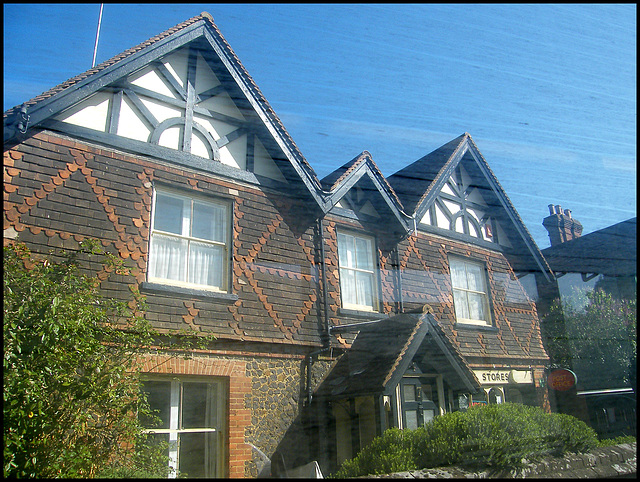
{"x":560,"y":225}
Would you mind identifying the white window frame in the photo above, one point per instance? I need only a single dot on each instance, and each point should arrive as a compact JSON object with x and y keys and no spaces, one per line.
{"x":484,"y":293}
{"x":175,"y":421}
{"x":185,"y":235}
{"x":359,"y":271}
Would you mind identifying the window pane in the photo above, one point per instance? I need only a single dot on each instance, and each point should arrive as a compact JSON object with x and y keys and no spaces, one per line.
{"x":191,"y":453}
{"x":168,"y":257}
{"x":196,"y":406}
{"x":364,"y":254}
{"x":476,"y":306}
{"x":168,"y":214}
{"x":409,"y":393}
{"x":159,"y":398}
{"x":198,"y":454}
{"x":209,"y":222}
{"x":460,"y":302}
{"x":346,"y":251}
{"x":474,"y":277}
{"x":206,"y":264}
{"x":458,"y":275}
{"x":411,"y":419}
{"x":364,"y":289}
{"x":348,"y":287}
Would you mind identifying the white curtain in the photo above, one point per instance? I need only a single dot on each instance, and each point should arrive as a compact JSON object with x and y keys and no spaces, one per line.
{"x":465,"y":278}
{"x":206,"y":264}
{"x":356,"y":254}
{"x":168,"y":258}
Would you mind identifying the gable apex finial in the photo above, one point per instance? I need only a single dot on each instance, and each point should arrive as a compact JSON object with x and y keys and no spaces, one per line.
{"x":207,"y":15}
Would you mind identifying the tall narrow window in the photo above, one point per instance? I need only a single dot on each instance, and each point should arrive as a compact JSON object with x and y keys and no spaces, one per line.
{"x":470,"y":298}
{"x":192,"y":422}
{"x":189,"y":241}
{"x":357,"y":273}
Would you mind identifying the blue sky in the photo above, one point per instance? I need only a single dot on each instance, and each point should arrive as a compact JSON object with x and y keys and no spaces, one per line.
{"x":548,"y":92}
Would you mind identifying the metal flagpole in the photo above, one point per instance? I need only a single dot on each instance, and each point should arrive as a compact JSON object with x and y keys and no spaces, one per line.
{"x":95,"y":49}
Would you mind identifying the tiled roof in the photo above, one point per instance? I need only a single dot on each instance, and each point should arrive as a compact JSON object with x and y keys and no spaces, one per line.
{"x":340,"y":175}
{"x":416,"y":182}
{"x":383,"y":350}
{"x":203,"y":17}
{"x":413,"y":183}
{"x":374,"y":355}
{"x":610,"y":251}
{"x":74,"y":80}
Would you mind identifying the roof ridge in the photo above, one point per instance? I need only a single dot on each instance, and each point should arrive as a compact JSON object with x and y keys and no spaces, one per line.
{"x":103,"y":65}
{"x":260,"y":96}
{"x":208,"y":19}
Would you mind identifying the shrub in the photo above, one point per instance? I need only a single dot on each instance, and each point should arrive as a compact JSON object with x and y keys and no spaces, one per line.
{"x":391,"y":452}
{"x":70,"y":370}
{"x":623,"y":439}
{"x":491,"y":436}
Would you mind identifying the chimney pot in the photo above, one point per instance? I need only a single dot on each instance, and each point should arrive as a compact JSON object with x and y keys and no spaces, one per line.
{"x":560,"y":225}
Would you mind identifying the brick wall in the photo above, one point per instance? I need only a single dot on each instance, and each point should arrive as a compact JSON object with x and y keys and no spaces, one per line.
{"x":426,"y":279}
{"x":59,"y":191}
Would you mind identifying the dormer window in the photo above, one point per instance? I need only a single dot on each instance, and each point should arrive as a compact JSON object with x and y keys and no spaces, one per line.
{"x":357,"y":272}
{"x":470,"y":296}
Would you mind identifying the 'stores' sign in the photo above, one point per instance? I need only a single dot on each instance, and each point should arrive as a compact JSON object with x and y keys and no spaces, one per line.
{"x":561,"y":379}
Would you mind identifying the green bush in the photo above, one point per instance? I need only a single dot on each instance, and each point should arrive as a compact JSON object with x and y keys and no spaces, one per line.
{"x":391,"y":452}
{"x":492,"y":436}
{"x":623,"y":439}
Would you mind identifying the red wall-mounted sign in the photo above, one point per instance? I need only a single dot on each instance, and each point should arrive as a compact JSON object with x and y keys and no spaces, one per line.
{"x":561,"y":379}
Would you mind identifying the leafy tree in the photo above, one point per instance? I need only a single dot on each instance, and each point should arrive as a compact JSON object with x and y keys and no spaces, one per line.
{"x":71,"y":381}
{"x":595,"y":334}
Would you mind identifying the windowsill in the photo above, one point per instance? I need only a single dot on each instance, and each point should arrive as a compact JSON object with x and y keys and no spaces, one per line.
{"x":369,"y":315}
{"x":181,"y":290}
{"x":473,"y":326}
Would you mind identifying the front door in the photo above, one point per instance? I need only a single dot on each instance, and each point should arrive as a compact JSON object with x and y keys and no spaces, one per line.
{"x":411,"y":403}
{"x":418,"y":407}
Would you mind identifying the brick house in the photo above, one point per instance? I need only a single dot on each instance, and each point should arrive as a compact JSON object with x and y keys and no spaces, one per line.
{"x":604,"y":393}
{"x":169,"y":155}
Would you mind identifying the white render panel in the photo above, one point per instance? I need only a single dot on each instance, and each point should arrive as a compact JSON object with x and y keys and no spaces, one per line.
{"x":216,"y":128}
{"x":465,"y":178}
{"x":459,"y":228}
{"x":264,"y":164}
{"x":175,"y":74}
{"x":453,"y":207}
{"x":91,"y":113}
{"x":176,"y":63}
{"x":130,"y":125}
{"x":502,"y":237}
{"x":198,"y":146}
{"x":170,"y":137}
{"x":476,"y":197}
{"x":473,"y":214}
{"x":223,"y":104}
{"x":369,"y":209}
{"x":205,"y":78}
{"x":474,"y":232}
{"x":441,"y":220}
{"x":149,"y":79}
{"x":235,"y":153}
{"x":426,"y":219}
{"x":160,"y":111}
{"x":447,"y":189}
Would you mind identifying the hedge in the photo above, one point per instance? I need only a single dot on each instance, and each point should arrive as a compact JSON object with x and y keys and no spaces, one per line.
{"x":497,"y":436}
